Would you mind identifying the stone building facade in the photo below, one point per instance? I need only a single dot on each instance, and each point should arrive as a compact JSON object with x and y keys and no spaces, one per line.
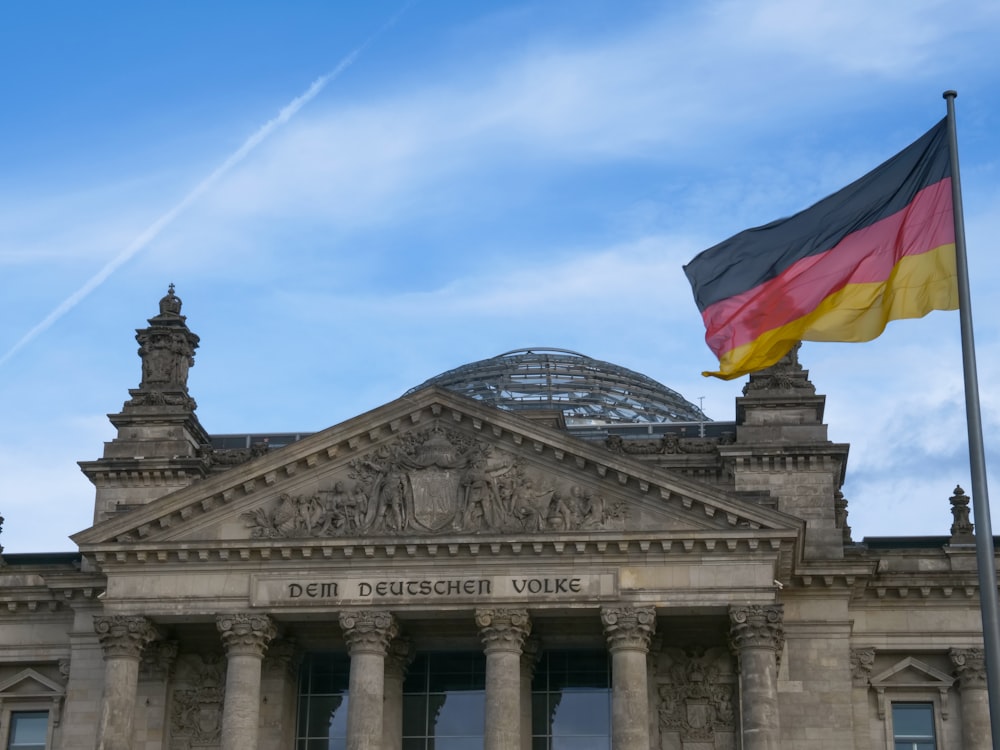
{"x":438,"y":573}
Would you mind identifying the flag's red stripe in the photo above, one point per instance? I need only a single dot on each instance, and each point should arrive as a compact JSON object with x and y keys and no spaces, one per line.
{"x":865,"y":256}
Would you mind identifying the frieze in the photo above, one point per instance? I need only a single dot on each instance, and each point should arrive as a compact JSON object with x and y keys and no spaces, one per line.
{"x":669,"y":444}
{"x":267,"y":591}
{"x":432,"y":482}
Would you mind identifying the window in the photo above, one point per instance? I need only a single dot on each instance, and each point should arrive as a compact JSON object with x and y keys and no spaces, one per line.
{"x":323,"y":699}
{"x":444,"y":701}
{"x":28,"y":730}
{"x":571,"y":701}
{"x":913,"y":726}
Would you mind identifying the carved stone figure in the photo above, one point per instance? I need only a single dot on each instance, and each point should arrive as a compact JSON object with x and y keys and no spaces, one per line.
{"x":196,"y":705}
{"x":696,"y":693}
{"x":434,"y":482}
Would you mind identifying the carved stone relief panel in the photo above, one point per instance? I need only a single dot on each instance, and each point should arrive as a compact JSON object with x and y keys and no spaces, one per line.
{"x":432,"y":482}
{"x":697,"y":698}
{"x":196,"y":706}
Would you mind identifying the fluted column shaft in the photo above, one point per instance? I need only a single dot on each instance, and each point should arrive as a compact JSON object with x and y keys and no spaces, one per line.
{"x":628,"y":630}
{"x":503,"y":632}
{"x":368,"y":634}
{"x":123,"y":638}
{"x":245,"y":637}
{"x":757,"y":636}
{"x":970,"y":668}
{"x":397,"y":661}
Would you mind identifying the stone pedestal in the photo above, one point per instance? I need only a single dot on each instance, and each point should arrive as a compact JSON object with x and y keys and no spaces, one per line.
{"x":368,"y":634}
{"x":122,"y":638}
{"x":970,"y":669}
{"x":757,"y":636}
{"x":397,"y":661}
{"x":503,"y":632}
{"x":245,"y":637}
{"x":628,"y":630}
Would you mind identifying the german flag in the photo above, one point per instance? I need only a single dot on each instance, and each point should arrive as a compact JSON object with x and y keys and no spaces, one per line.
{"x":881,"y":249}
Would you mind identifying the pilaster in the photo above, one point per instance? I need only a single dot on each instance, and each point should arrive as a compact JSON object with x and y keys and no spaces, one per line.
{"x":398,"y":659}
{"x":970,"y":669}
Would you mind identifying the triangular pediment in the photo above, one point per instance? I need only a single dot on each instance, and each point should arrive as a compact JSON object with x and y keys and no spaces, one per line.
{"x":911,"y":673}
{"x":29,"y":683}
{"x":435,"y":465}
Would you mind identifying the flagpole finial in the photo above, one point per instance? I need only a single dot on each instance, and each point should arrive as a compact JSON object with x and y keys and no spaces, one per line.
{"x":950,"y":94}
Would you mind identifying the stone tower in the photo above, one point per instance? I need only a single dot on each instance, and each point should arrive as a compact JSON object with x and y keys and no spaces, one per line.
{"x":160,"y":440}
{"x":782,"y":449}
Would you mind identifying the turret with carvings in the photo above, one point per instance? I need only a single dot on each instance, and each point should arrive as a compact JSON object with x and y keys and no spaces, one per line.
{"x":158,"y":446}
{"x":782,"y":450}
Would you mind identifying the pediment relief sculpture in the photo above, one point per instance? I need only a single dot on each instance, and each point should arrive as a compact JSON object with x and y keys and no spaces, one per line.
{"x":431,"y":482}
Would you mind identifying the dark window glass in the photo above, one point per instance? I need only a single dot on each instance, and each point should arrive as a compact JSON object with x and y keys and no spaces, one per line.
{"x":322,"y":721}
{"x":913,"y":726}
{"x":571,"y":701}
{"x":444,"y":700}
{"x":28,"y":730}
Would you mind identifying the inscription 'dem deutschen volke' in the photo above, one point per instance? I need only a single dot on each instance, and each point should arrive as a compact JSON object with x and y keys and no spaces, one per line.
{"x":269,"y":591}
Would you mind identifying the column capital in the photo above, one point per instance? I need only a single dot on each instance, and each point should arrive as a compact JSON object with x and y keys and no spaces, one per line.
{"x":124,"y":635}
{"x":368,"y":630}
{"x":757,"y":626}
{"x":503,"y":629}
{"x":399,"y":656}
{"x":628,"y":627}
{"x":970,"y":667}
{"x":244,"y":633}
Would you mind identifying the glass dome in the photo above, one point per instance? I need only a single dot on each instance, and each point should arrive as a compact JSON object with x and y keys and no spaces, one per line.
{"x":587,"y":391}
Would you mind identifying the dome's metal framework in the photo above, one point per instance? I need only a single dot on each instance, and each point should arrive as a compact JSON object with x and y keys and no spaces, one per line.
{"x":587,"y":391}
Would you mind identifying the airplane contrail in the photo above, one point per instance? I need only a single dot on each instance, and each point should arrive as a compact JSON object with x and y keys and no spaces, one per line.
{"x":153,"y":230}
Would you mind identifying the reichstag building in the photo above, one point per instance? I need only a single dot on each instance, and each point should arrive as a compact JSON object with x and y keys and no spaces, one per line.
{"x":538,"y":551}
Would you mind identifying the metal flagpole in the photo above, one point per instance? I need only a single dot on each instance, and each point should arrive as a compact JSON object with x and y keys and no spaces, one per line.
{"x":986,"y":562}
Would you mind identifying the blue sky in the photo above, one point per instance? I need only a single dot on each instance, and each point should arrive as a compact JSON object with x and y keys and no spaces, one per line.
{"x":470,"y":178}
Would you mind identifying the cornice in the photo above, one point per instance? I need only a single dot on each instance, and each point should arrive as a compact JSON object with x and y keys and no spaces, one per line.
{"x":739,"y":544}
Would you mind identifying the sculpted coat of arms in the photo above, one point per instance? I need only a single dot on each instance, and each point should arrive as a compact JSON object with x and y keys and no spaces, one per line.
{"x":434,"y":481}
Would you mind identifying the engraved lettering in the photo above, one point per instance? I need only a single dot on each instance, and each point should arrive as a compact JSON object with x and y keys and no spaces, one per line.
{"x":364,"y":589}
{"x":294,"y":591}
{"x":575,"y":585}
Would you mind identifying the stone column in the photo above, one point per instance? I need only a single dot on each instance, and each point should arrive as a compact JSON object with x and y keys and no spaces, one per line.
{"x":245,"y":637}
{"x":503,"y":632}
{"x":368,"y":634}
{"x":757,"y":636}
{"x":531,"y":651}
{"x":397,"y":661}
{"x":123,"y":638}
{"x":628,"y":630}
{"x":970,"y":669}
